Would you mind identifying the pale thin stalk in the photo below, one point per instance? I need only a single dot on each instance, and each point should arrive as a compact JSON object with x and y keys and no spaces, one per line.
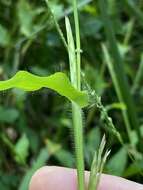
{"x":57,"y":25}
{"x":78,"y":48}
{"x":129,"y":32}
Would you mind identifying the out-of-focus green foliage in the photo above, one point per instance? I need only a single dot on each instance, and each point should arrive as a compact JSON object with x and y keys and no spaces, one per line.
{"x":36,"y":128}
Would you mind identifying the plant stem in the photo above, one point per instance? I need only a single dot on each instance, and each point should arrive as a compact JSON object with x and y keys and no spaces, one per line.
{"x":78,"y":139}
{"x":75,"y":59}
{"x":77,"y":113}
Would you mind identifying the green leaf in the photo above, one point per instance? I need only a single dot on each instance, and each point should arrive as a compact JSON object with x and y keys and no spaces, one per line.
{"x":8,"y":115}
{"x":97,"y":83}
{"x":91,"y":22}
{"x":4,"y":36}
{"x":134,"y":168}
{"x":57,"y":9}
{"x":93,"y":139}
{"x":117,"y":163}
{"x":58,"y":82}
{"x":41,"y":160}
{"x":27,"y":14}
{"x":65,"y":158}
{"x":21,"y":149}
{"x":92,"y":143}
{"x":52,"y":146}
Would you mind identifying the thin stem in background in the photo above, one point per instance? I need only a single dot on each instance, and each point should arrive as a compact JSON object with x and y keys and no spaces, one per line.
{"x":57,"y":25}
{"x":129,"y":32}
{"x":115,"y":81}
{"x":138,"y":77}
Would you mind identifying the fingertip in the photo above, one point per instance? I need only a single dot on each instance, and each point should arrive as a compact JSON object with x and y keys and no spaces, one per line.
{"x":37,"y":180}
{"x":52,"y":177}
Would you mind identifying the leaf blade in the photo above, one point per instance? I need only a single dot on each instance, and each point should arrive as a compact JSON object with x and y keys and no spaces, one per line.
{"x":57,"y":82}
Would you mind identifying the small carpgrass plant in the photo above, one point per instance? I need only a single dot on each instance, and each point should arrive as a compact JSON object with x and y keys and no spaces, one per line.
{"x":72,"y":91}
{"x":75,"y":72}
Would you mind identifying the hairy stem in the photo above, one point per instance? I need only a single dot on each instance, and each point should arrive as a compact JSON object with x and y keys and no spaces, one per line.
{"x":77,"y":113}
{"x":74,"y":59}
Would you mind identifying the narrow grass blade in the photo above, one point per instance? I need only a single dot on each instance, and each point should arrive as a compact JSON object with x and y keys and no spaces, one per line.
{"x":72,"y":54}
{"x":58,"y":82}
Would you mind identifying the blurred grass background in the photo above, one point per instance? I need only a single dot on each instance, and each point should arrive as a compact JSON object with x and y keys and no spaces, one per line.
{"x":36,"y":128}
